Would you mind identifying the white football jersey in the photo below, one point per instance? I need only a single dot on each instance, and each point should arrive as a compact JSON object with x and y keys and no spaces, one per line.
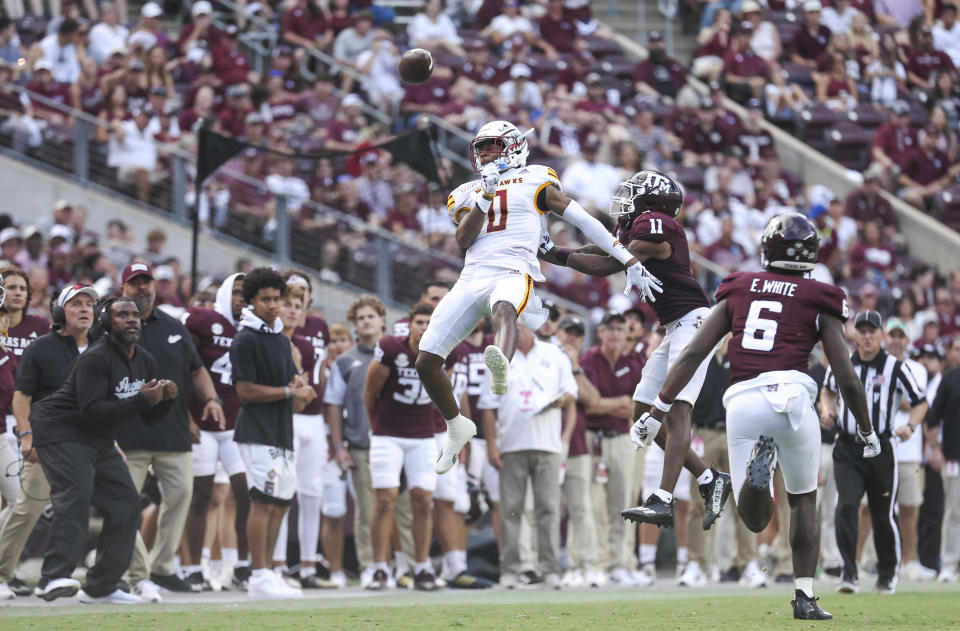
{"x":511,"y":235}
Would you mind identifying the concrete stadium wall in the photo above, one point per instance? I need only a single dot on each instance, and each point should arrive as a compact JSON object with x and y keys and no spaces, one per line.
{"x":930,"y":240}
{"x":29,"y":194}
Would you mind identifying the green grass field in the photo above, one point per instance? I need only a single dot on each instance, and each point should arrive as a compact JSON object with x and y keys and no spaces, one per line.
{"x":914,"y":607}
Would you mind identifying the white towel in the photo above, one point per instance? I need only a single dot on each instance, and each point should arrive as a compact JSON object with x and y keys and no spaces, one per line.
{"x":792,"y":399}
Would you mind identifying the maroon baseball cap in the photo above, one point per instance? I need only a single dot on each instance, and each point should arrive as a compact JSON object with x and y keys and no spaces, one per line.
{"x":135,"y":269}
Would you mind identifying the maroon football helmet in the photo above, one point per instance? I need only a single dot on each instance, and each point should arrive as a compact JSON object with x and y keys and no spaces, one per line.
{"x":789,"y":242}
{"x":646,"y":191}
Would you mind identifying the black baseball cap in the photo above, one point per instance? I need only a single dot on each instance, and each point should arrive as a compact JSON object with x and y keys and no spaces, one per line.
{"x":929,"y":349}
{"x":612,"y":315}
{"x":869,"y":317}
{"x":573,"y":322}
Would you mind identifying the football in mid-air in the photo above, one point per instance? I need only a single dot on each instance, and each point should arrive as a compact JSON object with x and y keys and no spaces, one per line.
{"x":416,"y":66}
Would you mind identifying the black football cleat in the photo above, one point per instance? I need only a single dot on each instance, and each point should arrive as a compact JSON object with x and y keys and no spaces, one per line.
{"x":761,"y":463}
{"x":806,"y":608}
{"x":715,"y":494}
{"x":654,"y":511}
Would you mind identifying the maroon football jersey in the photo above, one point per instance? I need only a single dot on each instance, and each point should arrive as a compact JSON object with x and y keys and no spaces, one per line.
{"x":469,"y":373}
{"x":8,"y":374}
{"x":681,"y":291}
{"x":214,"y":336}
{"x":611,"y":381}
{"x":21,"y":336}
{"x":775,"y":320}
{"x":404,"y":409}
{"x":313,"y":369}
{"x":402,"y":326}
{"x":315,"y":329}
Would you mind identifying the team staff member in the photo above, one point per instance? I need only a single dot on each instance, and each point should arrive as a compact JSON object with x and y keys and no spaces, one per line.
{"x":946,"y":455}
{"x":74,"y":429}
{"x":167,"y":446}
{"x":42,"y":369}
{"x":349,"y":426}
{"x":886,"y":381}
{"x":270,"y":392}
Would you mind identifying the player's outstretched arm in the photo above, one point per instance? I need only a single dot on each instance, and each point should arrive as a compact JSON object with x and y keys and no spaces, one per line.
{"x":707,"y":337}
{"x":574,"y":213}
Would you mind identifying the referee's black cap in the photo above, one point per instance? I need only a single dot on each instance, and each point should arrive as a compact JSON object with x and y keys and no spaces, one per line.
{"x":870,"y":317}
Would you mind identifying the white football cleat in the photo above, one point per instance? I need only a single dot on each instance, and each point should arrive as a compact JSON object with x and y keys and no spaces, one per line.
{"x":269,"y":586}
{"x":692,"y":576}
{"x":117,"y":597}
{"x":498,"y":365}
{"x":460,"y":430}
{"x":148,"y":591}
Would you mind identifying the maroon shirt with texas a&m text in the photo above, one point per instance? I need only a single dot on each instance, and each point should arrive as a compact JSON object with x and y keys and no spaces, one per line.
{"x":682,"y":293}
{"x":214,"y":336}
{"x":404,"y":409}
{"x":775,"y":320}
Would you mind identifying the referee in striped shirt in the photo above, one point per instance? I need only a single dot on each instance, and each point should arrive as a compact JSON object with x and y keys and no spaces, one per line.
{"x":886,"y":381}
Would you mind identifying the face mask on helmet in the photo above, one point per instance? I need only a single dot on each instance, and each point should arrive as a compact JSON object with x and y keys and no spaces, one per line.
{"x":506,"y":148}
{"x":621,"y":204}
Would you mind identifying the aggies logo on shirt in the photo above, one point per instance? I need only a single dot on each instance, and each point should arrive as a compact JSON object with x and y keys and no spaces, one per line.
{"x":127,"y":388}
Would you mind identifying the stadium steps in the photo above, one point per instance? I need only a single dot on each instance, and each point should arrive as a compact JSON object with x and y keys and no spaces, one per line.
{"x":623,"y":16}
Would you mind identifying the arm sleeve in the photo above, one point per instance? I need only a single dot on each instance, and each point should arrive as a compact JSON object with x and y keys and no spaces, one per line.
{"x":336,"y":392}
{"x":594,"y":231}
{"x":93,"y":386}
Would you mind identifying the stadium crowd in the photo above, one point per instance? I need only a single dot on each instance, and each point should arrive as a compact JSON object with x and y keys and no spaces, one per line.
{"x":354,"y":519}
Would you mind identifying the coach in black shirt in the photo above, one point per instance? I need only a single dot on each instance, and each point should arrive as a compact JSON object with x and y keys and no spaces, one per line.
{"x":109,"y":387}
{"x":886,"y":381}
{"x":166,"y":446}
{"x":44,"y":366}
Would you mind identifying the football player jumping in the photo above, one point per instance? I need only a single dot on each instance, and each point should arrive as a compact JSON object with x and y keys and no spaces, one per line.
{"x":499,"y":224}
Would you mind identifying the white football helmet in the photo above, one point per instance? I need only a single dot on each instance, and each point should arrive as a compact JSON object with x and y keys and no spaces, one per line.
{"x":502,"y":138}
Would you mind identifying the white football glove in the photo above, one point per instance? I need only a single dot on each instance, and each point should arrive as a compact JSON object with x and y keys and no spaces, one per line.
{"x":873,"y":444}
{"x":644,"y":430}
{"x":646,"y":283}
{"x":490,"y":178}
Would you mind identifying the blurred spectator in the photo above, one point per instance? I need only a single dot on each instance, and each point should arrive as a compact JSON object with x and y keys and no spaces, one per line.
{"x":60,"y":50}
{"x":946,"y":33}
{"x":947,"y":142}
{"x":887,"y":77}
{"x":148,"y":32}
{"x":402,"y":218}
{"x":283,"y":182}
{"x":320,"y":102}
{"x":108,"y":35}
{"x":279,"y":109}
{"x":651,"y":139}
{"x":836,"y":88}
{"x":557,"y":28}
{"x":948,"y":313}
{"x":480,"y":68}
{"x":713,"y":43}
{"x":588,"y":180}
{"x":520,"y":93}
{"x":237,"y":105}
{"x":766,"y":39}
{"x":432,"y":215}
{"x":18,"y":114}
{"x":379,"y":66}
{"x":203,"y":108}
{"x":744,"y":72}
{"x":200,"y":36}
{"x":925,"y":61}
{"x":133,"y":152}
{"x":354,"y":40}
{"x":10,"y":49}
{"x":926,"y":170}
{"x":755,"y":141}
{"x":811,"y":37}
{"x":897,"y":13}
{"x":784,"y":100}
{"x":229,"y":62}
{"x":945,"y":96}
{"x":10,"y":244}
{"x":703,"y":141}
{"x":343,"y":132}
{"x":659,"y":75}
{"x":597,"y":101}
{"x":434,"y":30}
{"x":156,"y":241}
{"x":373,"y":187}
{"x":846,"y":229}
{"x":872,"y":258}
{"x":34,"y":254}
{"x":894,"y":140}
{"x":726,"y":252}
{"x":307,"y":24}
{"x":429,"y":97}
{"x":839,"y":17}
{"x":866,"y":203}
{"x":862,"y":38}
{"x":510,"y":29}
{"x":45,"y":85}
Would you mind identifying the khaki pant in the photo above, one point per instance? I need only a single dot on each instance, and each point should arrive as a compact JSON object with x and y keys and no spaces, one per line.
{"x":581,"y":529}
{"x":23,"y":517}
{"x":609,"y":499}
{"x":700,"y":543}
{"x":174,"y":471}
{"x":950,"y":546}
{"x":363,"y":504}
{"x":782,"y":551}
{"x":527,"y":540}
{"x":541,"y":469}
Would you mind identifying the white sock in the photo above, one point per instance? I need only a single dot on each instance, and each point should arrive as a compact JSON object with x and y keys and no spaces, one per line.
{"x":260,"y":573}
{"x":400,"y":563}
{"x":805,"y":585}
{"x":337,"y":577}
{"x":307,"y":571}
{"x":666,"y":496}
{"x":706,"y":477}
{"x":205,"y":554}
{"x":648,"y":553}
{"x":243,"y":563}
{"x":682,"y":555}
{"x":454,"y":564}
{"x":422,"y":567}
{"x":230,"y":555}
{"x":190,"y":569}
{"x":380,"y":565}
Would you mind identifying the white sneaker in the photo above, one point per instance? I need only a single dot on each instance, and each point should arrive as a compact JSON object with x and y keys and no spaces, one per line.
{"x":573,"y":579}
{"x":460,"y":430}
{"x":595,"y":578}
{"x":286,"y":579}
{"x":552,"y":580}
{"x":6,"y":593}
{"x":148,"y":591}
{"x":622,"y":578}
{"x":339,"y":579}
{"x":498,"y":365}
{"x":645,"y":576}
{"x":754,"y":576}
{"x":947,"y":575}
{"x":118,"y":597}
{"x":508,"y":580}
{"x":692,"y":576}
{"x":57,"y":588}
{"x":366,"y":577}
{"x":269,"y":586}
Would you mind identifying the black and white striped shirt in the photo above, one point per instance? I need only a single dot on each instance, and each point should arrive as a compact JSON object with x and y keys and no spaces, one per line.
{"x":886,"y":381}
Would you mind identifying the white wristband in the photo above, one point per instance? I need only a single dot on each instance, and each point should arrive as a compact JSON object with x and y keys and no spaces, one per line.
{"x":483,"y":203}
{"x":660,"y":405}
